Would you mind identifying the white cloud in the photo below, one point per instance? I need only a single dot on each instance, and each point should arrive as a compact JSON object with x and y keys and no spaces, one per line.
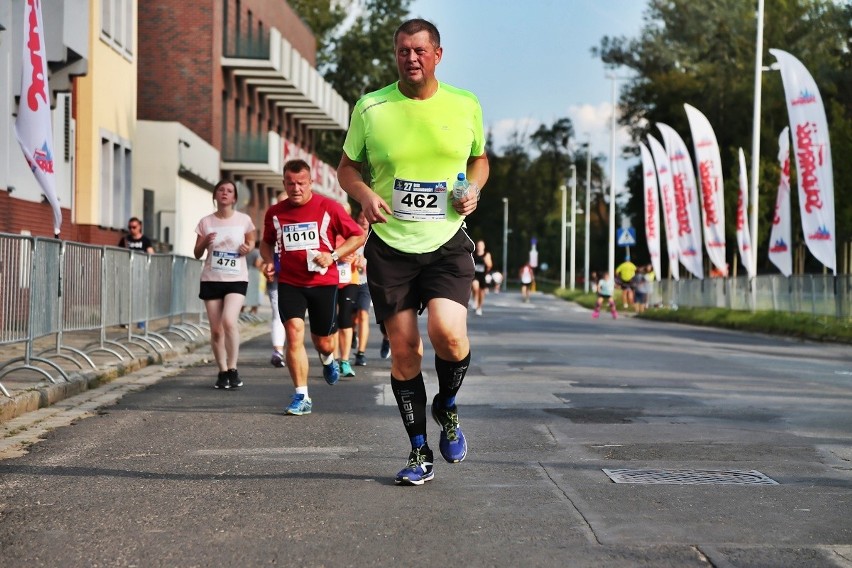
{"x":503,"y":130}
{"x":591,"y":122}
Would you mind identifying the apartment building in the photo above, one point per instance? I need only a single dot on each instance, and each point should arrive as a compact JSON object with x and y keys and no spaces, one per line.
{"x":155,"y":101}
{"x":239,"y":78}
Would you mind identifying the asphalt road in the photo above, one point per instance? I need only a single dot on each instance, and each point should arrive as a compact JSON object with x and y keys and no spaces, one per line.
{"x":755,"y":430}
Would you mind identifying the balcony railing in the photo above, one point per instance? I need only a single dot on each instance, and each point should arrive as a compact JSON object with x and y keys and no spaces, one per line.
{"x":247,"y":148}
{"x":240,"y":46}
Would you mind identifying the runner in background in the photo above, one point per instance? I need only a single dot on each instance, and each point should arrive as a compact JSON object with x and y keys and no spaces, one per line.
{"x":527,"y":277}
{"x":606,"y":287}
{"x":363,"y":302}
{"x":306,"y":226}
{"x":276,"y":326}
{"x":482,"y":266}
{"x":226,"y":237}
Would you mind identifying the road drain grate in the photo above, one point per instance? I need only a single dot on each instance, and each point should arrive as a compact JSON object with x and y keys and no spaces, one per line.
{"x":688,"y":477}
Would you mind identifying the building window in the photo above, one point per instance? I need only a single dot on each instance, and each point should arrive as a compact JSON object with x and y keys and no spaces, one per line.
{"x":107,"y":18}
{"x":115,"y":178}
{"x":117,"y":17}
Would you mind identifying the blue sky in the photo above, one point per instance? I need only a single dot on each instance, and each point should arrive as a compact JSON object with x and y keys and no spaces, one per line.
{"x":531,"y":63}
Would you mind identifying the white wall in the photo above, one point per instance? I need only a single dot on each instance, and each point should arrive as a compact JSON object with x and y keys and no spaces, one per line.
{"x":158,"y":157}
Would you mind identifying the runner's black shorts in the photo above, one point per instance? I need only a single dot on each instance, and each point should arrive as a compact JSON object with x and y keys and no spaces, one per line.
{"x":218,"y":290}
{"x":363,"y":301}
{"x":480,"y":277}
{"x":320,"y":302}
{"x":402,"y":281}
{"x":346,"y":297}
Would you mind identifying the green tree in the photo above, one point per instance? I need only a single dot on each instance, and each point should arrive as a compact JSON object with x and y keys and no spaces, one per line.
{"x":528,"y":172}
{"x":324,"y":18}
{"x":702,"y":53}
{"x":354,"y":60}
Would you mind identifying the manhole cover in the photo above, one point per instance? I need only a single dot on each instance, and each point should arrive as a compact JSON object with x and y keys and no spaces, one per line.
{"x":688,"y":477}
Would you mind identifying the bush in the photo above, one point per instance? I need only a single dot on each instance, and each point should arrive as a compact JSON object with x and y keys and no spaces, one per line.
{"x":804,"y":326}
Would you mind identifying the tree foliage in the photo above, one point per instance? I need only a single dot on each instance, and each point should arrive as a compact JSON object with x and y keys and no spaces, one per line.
{"x":355,"y":60}
{"x":702,"y":53}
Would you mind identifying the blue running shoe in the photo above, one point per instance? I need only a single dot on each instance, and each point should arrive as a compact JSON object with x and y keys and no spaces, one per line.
{"x":453,"y":445}
{"x":384,"y":350}
{"x":299,"y":405}
{"x":346,"y":368}
{"x":360,"y":359}
{"x":331,"y":373}
{"x":418,"y":470}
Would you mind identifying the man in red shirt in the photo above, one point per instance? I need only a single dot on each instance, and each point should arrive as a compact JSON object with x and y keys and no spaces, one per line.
{"x":306,"y":226}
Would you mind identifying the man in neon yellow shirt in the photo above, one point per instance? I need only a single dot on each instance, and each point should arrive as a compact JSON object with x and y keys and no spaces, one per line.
{"x":624,"y":274}
{"x":416,"y":136}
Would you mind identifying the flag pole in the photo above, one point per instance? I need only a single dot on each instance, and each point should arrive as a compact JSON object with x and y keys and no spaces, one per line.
{"x":755,"y":135}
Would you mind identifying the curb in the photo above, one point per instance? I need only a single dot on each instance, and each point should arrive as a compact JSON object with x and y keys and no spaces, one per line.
{"x":44,"y":396}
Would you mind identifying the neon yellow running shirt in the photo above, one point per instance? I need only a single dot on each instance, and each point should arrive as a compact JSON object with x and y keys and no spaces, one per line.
{"x":425,"y":143}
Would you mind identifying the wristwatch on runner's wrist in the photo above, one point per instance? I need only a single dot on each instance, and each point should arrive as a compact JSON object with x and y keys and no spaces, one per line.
{"x":334,"y":256}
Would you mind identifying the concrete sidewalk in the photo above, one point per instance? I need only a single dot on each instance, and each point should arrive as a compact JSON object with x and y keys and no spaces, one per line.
{"x":38,"y":405}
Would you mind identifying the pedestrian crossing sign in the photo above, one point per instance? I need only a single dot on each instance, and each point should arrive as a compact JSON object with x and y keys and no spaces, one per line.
{"x":626,"y":237}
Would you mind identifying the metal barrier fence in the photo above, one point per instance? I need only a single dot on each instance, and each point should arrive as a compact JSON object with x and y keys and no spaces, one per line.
{"x":815,"y":294}
{"x":85,"y":292}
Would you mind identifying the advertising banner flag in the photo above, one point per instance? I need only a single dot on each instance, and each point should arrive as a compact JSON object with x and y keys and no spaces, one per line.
{"x":809,"y":129}
{"x":686,"y":200}
{"x":32,"y":127}
{"x":780,"y":249}
{"x":743,"y":238}
{"x":667,"y":200}
{"x":710,"y":186}
{"x":652,"y":207}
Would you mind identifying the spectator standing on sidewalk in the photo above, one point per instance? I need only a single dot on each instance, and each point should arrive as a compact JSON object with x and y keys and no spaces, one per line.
{"x":416,"y":135}
{"x":624,"y":274}
{"x":135,"y":239}
{"x":227,"y":236}
{"x":306,"y":226}
{"x":640,"y":290}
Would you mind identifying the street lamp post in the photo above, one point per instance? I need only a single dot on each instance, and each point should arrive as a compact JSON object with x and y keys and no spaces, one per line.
{"x":505,"y":241}
{"x":588,"y":210}
{"x":562,"y":242}
{"x":573,"y":224}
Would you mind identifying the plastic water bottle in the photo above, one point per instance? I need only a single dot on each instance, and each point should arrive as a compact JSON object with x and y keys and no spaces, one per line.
{"x":460,"y":187}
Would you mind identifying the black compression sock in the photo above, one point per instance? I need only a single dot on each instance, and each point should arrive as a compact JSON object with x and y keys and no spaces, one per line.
{"x":450,"y":377}
{"x":411,"y":399}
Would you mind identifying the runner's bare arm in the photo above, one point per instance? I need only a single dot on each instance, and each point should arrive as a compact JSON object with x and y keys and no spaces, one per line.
{"x":248,"y":244}
{"x":346,"y":248}
{"x":201,"y":244}
{"x":267,"y":253}
{"x":349,"y":176}
{"x":477,"y":173}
